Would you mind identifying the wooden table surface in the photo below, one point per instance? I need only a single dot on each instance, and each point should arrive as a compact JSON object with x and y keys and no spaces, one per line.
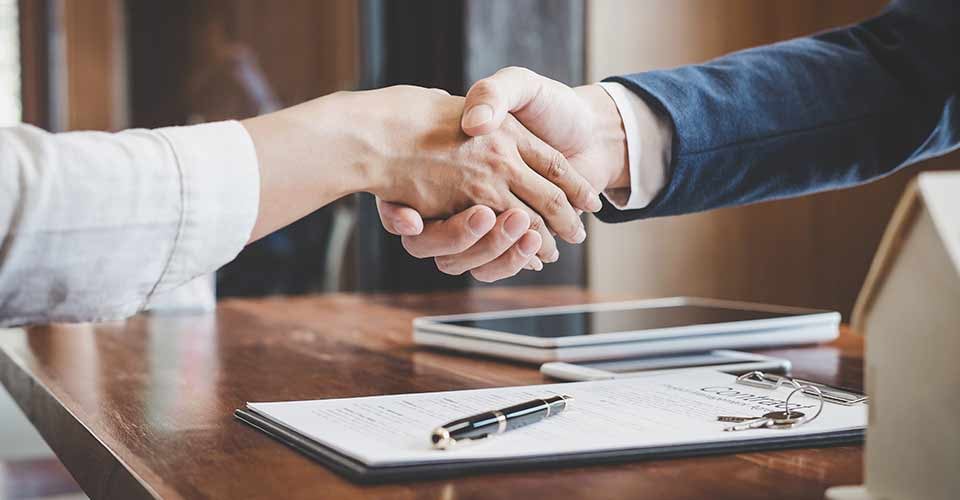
{"x":144,"y":408}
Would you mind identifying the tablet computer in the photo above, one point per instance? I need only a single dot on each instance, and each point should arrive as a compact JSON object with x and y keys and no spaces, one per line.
{"x":626,"y":329}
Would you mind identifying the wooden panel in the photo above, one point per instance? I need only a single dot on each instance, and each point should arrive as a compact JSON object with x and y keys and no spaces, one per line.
{"x":144,"y":408}
{"x":811,"y":251}
{"x":302,"y":60}
{"x":95,"y":42}
{"x":302,"y":49}
{"x":34,"y":57}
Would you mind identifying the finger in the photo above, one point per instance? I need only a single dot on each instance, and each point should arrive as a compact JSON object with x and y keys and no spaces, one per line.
{"x":510,"y":263}
{"x":534,"y":265}
{"x":489,"y":100}
{"x":399,"y":219}
{"x":548,"y":246}
{"x":554,"y":167}
{"x":510,"y":226}
{"x":453,"y":235}
{"x":549,"y":201}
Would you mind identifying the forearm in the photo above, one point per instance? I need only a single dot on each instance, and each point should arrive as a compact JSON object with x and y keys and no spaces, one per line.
{"x":93,"y":224}
{"x":817,"y":113}
{"x":309,"y":158}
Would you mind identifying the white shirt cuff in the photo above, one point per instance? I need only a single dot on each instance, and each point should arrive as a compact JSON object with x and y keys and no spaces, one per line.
{"x":220,"y":196}
{"x":649,"y":141}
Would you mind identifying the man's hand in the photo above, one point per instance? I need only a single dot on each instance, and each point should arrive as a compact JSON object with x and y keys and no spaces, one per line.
{"x":582,"y":123}
{"x":419,"y":157}
{"x":491,"y":247}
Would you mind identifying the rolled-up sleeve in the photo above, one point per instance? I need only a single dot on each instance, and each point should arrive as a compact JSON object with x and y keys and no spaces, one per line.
{"x":93,"y":224}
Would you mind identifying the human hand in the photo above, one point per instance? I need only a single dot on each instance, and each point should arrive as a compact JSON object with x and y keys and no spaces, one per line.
{"x":583,"y":123}
{"x":404,"y":144}
{"x":422,"y":159}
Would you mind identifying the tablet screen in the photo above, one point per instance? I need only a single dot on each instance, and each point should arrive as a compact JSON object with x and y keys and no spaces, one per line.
{"x":624,"y":320}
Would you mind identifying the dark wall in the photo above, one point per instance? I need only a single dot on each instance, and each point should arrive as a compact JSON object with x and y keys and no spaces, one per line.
{"x":546,"y":36}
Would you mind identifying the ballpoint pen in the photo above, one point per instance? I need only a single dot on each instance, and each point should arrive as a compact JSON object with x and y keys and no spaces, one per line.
{"x":498,"y":421}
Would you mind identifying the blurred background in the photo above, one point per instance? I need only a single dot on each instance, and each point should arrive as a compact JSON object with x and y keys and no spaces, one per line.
{"x":115,"y":64}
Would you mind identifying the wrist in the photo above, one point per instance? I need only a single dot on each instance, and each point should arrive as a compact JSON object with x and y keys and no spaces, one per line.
{"x":307,"y":158}
{"x":609,"y":137}
{"x":359,"y":141}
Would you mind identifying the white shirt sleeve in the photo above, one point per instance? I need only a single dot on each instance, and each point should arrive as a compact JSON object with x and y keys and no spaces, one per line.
{"x":649,"y":143}
{"x":94,"y":224}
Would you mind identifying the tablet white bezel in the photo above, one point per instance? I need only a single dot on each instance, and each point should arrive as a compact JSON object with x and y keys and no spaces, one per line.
{"x":809,"y":317}
{"x":746,"y":361}
{"x":760,"y":339}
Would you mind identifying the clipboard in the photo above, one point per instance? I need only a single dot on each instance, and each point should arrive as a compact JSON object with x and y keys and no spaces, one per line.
{"x":360,"y":473}
{"x":377,"y":439}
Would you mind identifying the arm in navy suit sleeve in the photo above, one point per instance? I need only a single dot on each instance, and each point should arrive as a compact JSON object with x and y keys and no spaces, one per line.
{"x":824,"y":112}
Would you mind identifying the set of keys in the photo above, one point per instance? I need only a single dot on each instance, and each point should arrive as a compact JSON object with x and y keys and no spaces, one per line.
{"x":785,"y":419}
{"x":771,"y":420}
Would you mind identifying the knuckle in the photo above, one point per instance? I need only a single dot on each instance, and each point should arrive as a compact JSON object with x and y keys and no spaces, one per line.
{"x":485,"y":87}
{"x":557,"y":166}
{"x":536,"y":223}
{"x":500,"y":149}
{"x":515,"y":70}
{"x":582,"y":192}
{"x":557,"y":201}
{"x":510,"y":172}
{"x":482,"y":193}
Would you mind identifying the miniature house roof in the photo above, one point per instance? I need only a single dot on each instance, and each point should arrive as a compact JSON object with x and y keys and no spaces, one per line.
{"x":937,"y":194}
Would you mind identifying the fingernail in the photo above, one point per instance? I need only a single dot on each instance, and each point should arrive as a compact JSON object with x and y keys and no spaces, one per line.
{"x":537,"y":265}
{"x":481,"y":222}
{"x":516,"y":225}
{"x":580,"y":236}
{"x":477,"y":115}
{"x":528,"y":246}
{"x":593,"y":203}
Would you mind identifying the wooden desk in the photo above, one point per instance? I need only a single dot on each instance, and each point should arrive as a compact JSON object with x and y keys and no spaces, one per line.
{"x":144,"y":408}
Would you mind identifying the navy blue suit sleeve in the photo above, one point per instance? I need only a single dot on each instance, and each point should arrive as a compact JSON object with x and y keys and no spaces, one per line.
{"x":828,"y":111}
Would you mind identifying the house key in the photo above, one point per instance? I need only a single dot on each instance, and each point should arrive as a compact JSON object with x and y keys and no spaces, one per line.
{"x":774,"y":419}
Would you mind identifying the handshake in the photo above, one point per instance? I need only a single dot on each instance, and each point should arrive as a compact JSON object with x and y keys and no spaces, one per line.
{"x":482,"y":184}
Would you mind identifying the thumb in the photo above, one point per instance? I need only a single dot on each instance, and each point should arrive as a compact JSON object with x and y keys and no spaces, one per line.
{"x":489,"y":100}
{"x":549,"y":109}
{"x":398,"y":219}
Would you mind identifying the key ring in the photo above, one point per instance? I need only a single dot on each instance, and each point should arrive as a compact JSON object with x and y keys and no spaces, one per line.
{"x":801,"y":420}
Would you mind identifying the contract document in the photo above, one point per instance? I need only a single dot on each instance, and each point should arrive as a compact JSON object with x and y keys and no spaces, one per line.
{"x":671,"y":414}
